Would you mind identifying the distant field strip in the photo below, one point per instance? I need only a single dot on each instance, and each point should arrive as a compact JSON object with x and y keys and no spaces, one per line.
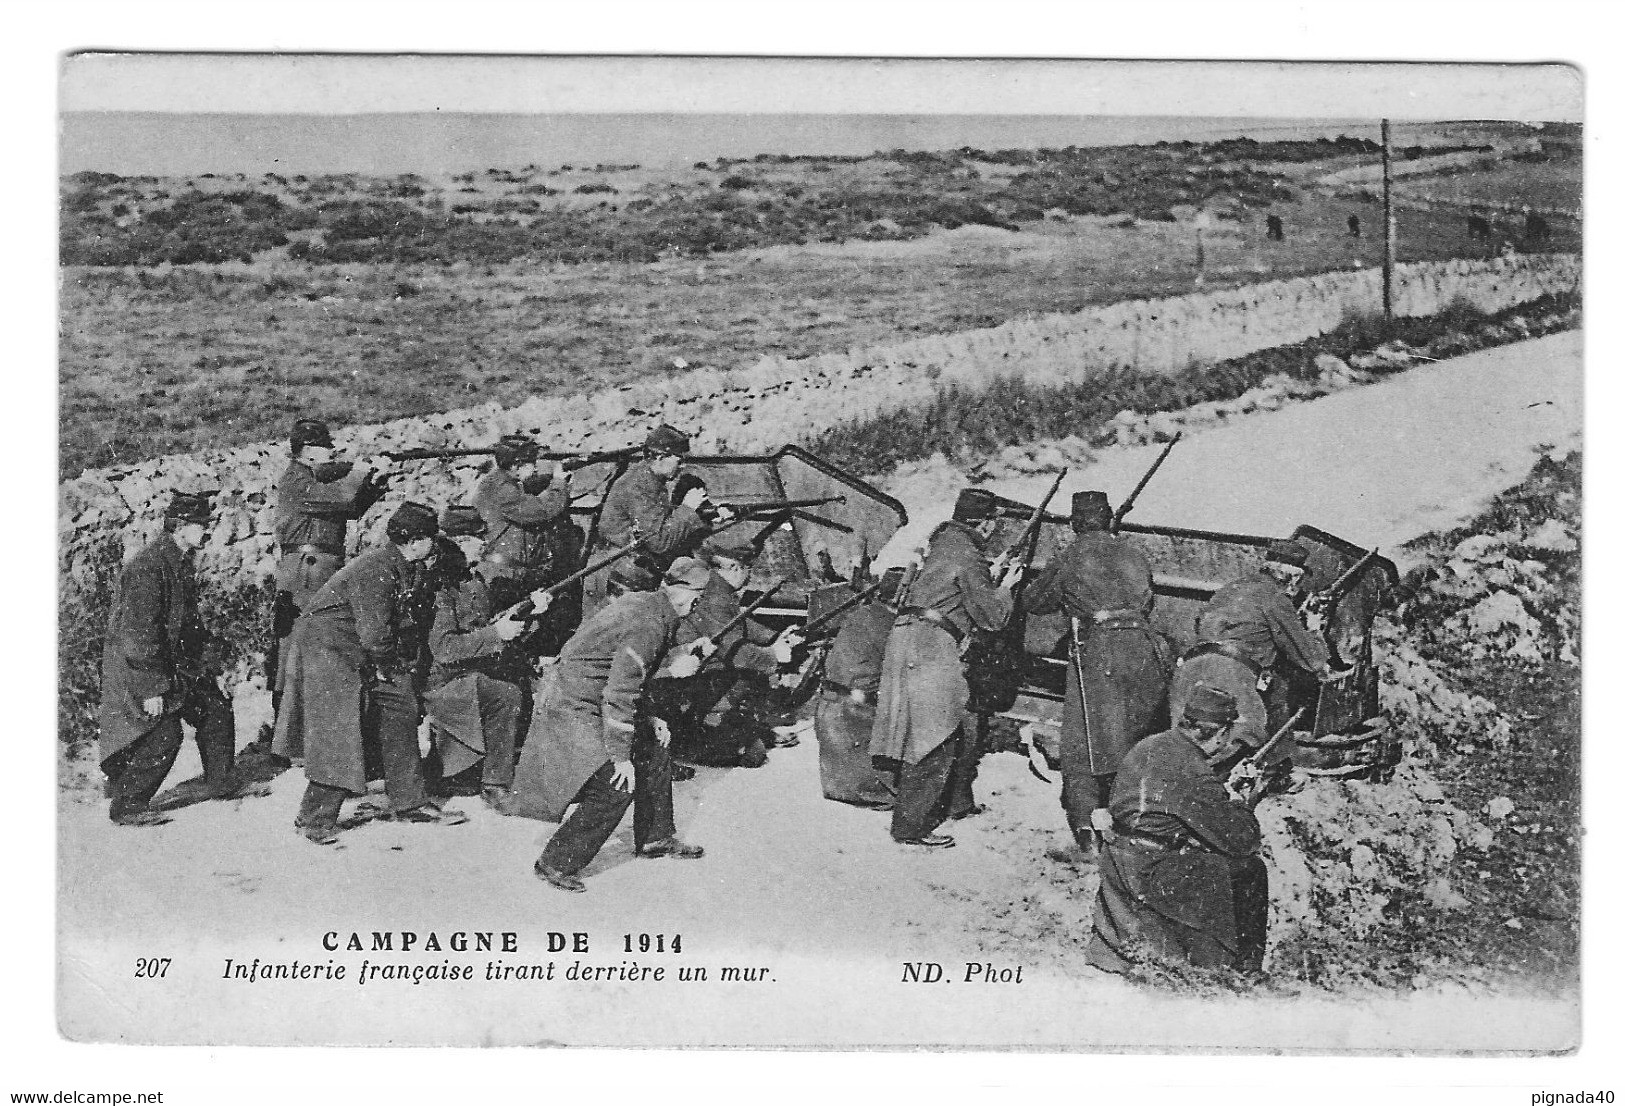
{"x":778,"y":401}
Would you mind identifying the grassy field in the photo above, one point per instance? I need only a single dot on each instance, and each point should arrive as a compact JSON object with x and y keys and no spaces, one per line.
{"x":169,"y":358}
{"x":1542,"y":185}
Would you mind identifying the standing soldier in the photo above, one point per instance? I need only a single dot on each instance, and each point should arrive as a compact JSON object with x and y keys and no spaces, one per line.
{"x":344,"y":680}
{"x":155,"y":674}
{"x":1180,"y":876}
{"x":316,"y":498}
{"x":639,"y":505}
{"x":478,"y":675}
{"x":590,"y":744}
{"x":1117,"y":682}
{"x":719,"y":710}
{"x":845,"y":716}
{"x":526,"y":547}
{"x":1245,"y":631}
{"x":920,"y":715}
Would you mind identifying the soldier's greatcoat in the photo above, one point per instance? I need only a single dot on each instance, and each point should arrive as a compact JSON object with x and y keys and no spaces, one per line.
{"x":517,"y":529}
{"x":311,"y":520}
{"x":473,"y":681}
{"x":639,"y":505}
{"x":845,"y":716}
{"x":1104,"y":583}
{"x":352,"y":622}
{"x":1180,"y":880}
{"x":923,"y":693}
{"x":154,"y":640}
{"x":588,"y":707}
{"x":1256,"y":614}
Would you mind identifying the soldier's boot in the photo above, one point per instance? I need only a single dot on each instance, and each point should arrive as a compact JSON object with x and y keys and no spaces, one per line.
{"x":564,"y":881}
{"x":672,"y":847}
{"x":929,"y":841}
{"x":142,"y":818}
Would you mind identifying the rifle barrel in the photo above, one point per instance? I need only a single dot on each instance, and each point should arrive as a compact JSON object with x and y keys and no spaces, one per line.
{"x":767,"y":506}
{"x":434,"y":454}
{"x":824,"y":619}
{"x":1128,"y":504}
{"x":524,"y":608}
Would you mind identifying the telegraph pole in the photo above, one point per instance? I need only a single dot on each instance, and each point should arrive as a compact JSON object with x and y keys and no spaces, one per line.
{"x":1388,"y":232}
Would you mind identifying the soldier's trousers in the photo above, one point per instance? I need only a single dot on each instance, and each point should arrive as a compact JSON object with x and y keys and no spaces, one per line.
{"x":600,"y":807}
{"x":136,"y":772}
{"x":389,"y":722}
{"x":1081,"y":795}
{"x":937,"y":788}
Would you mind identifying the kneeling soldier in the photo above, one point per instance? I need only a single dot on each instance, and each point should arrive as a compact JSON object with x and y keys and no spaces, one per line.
{"x":154,"y":675}
{"x":1180,"y":876}
{"x":845,"y":716}
{"x":343,"y":673}
{"x":476,"y":683}
{"x":588,"y":745}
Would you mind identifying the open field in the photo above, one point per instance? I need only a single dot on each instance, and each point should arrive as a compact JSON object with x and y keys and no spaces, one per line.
{"x":173,"y":358}
{"x":1544,"y":185}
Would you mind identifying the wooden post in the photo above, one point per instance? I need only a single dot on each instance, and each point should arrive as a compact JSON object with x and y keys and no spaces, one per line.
{"x":1388,"y":233}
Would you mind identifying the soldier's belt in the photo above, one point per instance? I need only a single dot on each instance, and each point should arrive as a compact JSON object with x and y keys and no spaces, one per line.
{"x":936,"y":618}
{"x":330,"y":550}
{"x":833,"y":690}
{"x":1223,"y":649}
{"x":1158,"y":844}
{"x":1119,"y":620}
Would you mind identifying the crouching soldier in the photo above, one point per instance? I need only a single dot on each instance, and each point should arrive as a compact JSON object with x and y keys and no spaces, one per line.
{"x":589,"y":743}
{"x":920,"y":714}
{"x":1245,"y":632}
{"x":476,"y":684}
{"x":1180,"y":877}
{"x":844,"y":718}
{"x":719,"y":712}
{"x":155,"y":675}
{"x":343,"y":682}
{"x":1117,"y":681}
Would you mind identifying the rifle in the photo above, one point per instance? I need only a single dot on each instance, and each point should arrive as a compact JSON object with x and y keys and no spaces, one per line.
{"x":1245,"y":774}
{"x":1029,"y":533}
{"x":832,"y":614}
{"x":744,"y":613}
{"x":1320,"y":601}
{"x":573,"y":461}
{"x":1128,"y":504}
{"x":994,"y":664}
{"x":525,"y":608}
{"x":404,"y":455}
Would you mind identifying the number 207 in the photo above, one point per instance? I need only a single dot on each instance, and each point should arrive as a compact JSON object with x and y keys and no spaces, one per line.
{"x":153,"y":968}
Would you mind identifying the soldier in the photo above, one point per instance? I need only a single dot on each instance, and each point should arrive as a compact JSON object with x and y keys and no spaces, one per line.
{"x":588,"y":745}
{"x":316,"y":498}
{"x":1180,"y":876}
{"x":639,"y":505}
{"x":344,"y":673}
{"x":1246,"y":629}
{"x":156,"y":673}
{"x":522,"y":550}
{"x":475,"y":686}
{"x":920,"y":713}
{"x":1117,"y":682}
{"x":845,"y":716}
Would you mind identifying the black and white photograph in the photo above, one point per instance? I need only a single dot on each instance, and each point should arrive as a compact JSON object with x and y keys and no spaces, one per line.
{"x":819,"y":554}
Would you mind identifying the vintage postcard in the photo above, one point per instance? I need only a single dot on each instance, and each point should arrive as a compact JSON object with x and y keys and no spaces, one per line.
{"x":819,"y":554}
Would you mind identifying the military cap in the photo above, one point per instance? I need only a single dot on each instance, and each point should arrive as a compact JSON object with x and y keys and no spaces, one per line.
{"x":188,"y":507}
{"x":311,"y":432}
{"x":461,"y":521}
{"x":1210,"y":704}
{"x":1287,"y":552}
{"x":890,"y":583}
{"x":734,"y":549}
{"x":687,"y":572}
{"x":1091,"y":510}
{"x":974,"y":505}
{"x":516,"y":449}
{"x":412,"y":521}
{"x":666,"y":439}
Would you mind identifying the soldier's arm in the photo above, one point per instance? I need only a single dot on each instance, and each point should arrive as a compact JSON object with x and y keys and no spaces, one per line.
{"x":146,"y":647}
{"x":1298,"y":645}
{"x":663,"y":532}
{"x":636,"y":658}
{"x":1221,"y":822}
{"x":373,"y":601}
{"x":531,"y":511}
{"x":1043,"y":595}
{"x":339,"y":498}
{"x":988,"y":605}
{"x":452,"y":643}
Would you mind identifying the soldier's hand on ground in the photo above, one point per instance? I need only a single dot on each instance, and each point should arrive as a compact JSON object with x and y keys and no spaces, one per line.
{"x":662,"y":732}
{"x":784,"y":646}
{"x":694,"y":499}
{"x":541,"y":600}
{"x":1100,"y":820}
{"x":152,"y":706}
{"x":508,"y":628}
{"x":625,"y":777}
{"x":684,"y":665}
